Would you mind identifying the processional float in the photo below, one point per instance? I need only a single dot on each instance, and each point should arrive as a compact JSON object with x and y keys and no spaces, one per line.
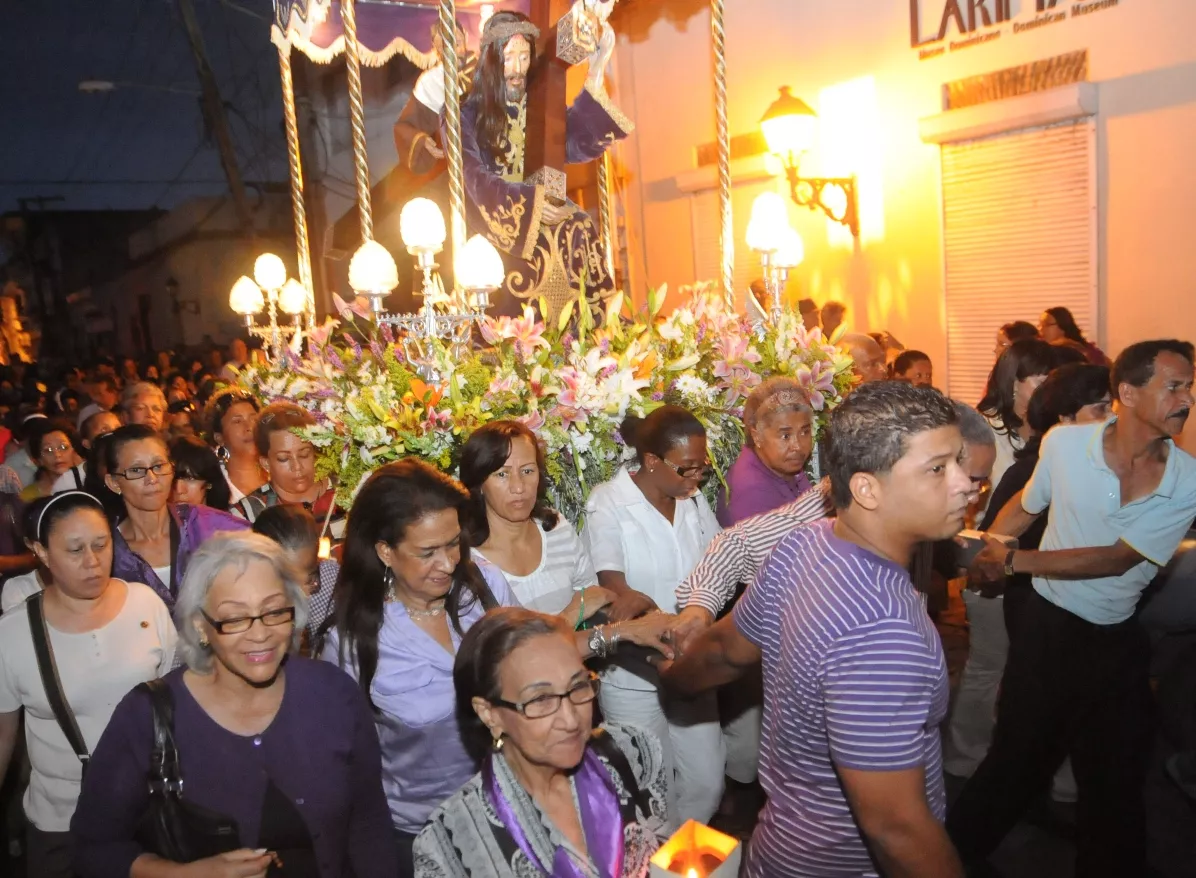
{"x":372,"y":32}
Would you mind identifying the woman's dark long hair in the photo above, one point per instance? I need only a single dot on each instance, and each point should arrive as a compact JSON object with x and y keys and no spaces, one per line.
{"x":394,"y":498}
{"x":193,"y":459}
{"x":486,"y":452}
{"x":488,"y":94}
{"x":1067,"y":324}
{"x":1021,"y":360}
{"x":93,"y":481}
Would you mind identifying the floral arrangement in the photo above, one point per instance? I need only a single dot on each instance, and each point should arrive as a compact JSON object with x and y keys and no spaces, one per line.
{"x":572,"y":382}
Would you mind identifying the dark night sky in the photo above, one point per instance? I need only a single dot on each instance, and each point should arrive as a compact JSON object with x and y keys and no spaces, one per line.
{"x":132,"y":147}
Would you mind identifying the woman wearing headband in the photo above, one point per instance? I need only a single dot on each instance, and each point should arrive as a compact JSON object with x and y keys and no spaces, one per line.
{"x":105,"y":636}
{"x":154,"y":538}
{"x":778,"y":427}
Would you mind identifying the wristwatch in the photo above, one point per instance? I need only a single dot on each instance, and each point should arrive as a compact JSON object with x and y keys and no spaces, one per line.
{"x":1009,"y":562}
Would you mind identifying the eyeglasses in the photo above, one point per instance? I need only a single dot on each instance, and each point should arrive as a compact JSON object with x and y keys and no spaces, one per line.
{"x":549,"y":703}
{"x":241,"y":624}
{"x":135,"y":473}
{"x":688,"y":472}
{"x":61,"y":449}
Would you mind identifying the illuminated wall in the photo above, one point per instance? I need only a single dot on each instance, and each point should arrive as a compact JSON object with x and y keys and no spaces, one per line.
{"x":852,"y":61}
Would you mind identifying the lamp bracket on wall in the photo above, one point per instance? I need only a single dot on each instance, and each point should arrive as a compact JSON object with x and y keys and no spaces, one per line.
{"x":809,"y":191}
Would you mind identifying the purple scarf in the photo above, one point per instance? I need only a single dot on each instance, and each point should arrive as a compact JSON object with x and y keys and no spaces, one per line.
{"x":600,"y":821}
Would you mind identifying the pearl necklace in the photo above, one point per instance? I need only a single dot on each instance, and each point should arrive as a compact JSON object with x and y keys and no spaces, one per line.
{"x":392,"y":597}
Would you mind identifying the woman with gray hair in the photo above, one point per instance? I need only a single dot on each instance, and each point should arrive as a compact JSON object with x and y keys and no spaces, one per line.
{"x":778,"y":426}
{"x":144,"y":403}
{"x":281,"y":747}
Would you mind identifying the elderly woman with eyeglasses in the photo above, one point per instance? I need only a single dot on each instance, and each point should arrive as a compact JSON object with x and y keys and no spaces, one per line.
{"x":553,"y":797}
{"x":281,"y":746}
{"x":154,"y":538}
{"x":52,"y":445}
{"x":646,"y":529}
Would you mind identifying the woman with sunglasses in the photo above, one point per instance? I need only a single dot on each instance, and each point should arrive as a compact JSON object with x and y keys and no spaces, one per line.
{"x":280,"y":746}
{"x":52,"y":445}
{"x":198,"y":479}
{"x":646,"y":529}
{"x":553,"y":797}
{"x":154,"y":538}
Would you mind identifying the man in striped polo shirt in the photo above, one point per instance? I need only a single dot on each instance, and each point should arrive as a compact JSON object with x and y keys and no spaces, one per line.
{"x":855,"y":682}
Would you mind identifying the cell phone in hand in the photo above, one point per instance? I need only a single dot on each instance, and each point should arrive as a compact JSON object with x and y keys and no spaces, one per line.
{"x":968,"y":544}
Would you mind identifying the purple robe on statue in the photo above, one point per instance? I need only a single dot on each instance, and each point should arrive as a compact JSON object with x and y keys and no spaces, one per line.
{"x":549,"y":261}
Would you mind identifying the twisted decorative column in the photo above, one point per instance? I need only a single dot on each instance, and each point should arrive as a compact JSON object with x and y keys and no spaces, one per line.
{"x":606,"y":221}
{"x":452,"y":125}
{"x":726,"y":234}
{"x":361,"y":165}
{"x":298,"y":206}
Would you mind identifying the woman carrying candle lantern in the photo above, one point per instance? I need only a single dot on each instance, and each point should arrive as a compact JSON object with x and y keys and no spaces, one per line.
{"x":552,"y":798}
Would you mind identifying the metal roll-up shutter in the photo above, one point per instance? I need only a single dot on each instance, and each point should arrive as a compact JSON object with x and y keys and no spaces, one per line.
{"x":1019,"y":236}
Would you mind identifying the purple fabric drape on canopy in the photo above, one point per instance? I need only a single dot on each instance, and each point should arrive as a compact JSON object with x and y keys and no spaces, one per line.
{"x":385,"y":28}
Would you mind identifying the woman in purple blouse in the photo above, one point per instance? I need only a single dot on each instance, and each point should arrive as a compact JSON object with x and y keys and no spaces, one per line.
{"x":407,"y":593}
{"x":282,"y":746}
{"x":778,"y":427}
{"x":154,"y":539}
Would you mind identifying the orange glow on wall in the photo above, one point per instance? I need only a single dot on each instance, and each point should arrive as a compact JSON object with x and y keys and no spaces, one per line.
{"x":850,"y":139}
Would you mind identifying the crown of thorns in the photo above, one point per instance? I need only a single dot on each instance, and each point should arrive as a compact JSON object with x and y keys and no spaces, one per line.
{"x":504,"y":30}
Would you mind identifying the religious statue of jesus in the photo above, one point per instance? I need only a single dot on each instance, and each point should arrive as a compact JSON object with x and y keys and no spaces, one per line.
{"x":551,"y":248}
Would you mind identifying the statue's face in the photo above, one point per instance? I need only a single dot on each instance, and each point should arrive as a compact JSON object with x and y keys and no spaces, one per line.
{"x":516,"y":57}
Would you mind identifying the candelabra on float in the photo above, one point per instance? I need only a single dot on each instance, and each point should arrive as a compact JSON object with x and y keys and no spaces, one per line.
{"x":479,"y":271}
{"x":272,"y":290}
{"x":779,"y":245}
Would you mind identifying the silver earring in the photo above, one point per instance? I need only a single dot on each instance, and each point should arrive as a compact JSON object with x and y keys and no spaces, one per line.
{"x":222,"y":454}
{"x":388,"y":584}
{"x":498,"y":743}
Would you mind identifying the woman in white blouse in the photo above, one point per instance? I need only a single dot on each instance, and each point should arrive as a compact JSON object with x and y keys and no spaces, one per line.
{"x":512,"y":527}
{"x":646,"y":529}
{"x":106,"y":636}
{"x":547,"y":566}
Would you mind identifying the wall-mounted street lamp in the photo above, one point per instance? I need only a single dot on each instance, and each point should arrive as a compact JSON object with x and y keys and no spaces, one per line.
{"x":789,"y":127}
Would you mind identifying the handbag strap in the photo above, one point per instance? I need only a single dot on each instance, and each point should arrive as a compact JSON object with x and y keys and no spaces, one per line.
{"x":51,"y":682}
{"x":609,"y":750}
{"x":165,"y":777}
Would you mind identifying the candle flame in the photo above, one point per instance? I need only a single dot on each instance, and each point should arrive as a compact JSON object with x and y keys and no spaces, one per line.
{"x":325,"y":550}
{"x":692,"y":873}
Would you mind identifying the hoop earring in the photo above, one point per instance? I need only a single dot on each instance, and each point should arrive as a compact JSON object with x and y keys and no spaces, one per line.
{"x":222,"y":454}
{"x":388,"y":584}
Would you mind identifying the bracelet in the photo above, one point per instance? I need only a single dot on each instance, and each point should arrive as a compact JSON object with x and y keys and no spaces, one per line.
{"x":614,"y":638}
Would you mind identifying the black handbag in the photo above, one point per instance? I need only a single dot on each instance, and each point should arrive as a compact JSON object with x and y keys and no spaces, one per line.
{"x":174,"y":828}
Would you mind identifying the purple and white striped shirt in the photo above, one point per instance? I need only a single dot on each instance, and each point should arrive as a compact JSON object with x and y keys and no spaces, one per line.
{"x":854,"y":677}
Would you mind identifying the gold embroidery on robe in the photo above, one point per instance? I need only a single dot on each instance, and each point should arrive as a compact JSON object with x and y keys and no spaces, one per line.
{"x":504,"y":223}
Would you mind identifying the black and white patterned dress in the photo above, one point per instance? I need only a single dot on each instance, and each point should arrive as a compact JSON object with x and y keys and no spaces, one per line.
{"x":464,"y":836}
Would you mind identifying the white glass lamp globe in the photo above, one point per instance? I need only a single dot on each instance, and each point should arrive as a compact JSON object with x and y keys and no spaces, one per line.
{"x":421,"y":225}
{"x":372,"y":270}
{"x":269,"y":272}
{"x":791,"y":251}
{"x":292,"y":298}
{"x":479,"y":267}
{"x":246,"y":297}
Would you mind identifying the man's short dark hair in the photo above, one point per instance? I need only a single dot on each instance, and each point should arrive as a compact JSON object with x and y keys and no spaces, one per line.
{"x":104,"y":381}
{"x":870,"y":430}
{"x":806,"y":306}
{"x":1135,"y":365}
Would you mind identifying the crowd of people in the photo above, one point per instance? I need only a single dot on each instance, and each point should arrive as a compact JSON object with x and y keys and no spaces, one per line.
{"x":449,"y":678}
